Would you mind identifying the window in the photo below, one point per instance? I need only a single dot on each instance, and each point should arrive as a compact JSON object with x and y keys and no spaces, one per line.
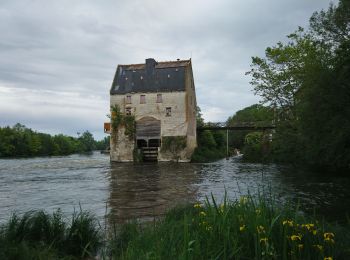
{"x":128,"y":99}
{"x":128,"y":111}
{"x":168,"y":111}
{"x":159,"y":98}
{"x":143,"y":99}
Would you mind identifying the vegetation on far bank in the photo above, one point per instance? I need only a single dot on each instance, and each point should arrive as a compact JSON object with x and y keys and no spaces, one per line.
{"x":20,"y":141}
{"x":248,"y":228}
{"x":211,"y":144}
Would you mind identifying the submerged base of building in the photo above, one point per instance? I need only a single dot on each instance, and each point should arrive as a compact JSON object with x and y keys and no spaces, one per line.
{"x":164,"y":149}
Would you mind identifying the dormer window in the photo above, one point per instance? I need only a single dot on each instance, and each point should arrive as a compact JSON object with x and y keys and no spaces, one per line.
{"x":159,"y":98}
{"x":142,"y":99}
{"x":128,"y":99}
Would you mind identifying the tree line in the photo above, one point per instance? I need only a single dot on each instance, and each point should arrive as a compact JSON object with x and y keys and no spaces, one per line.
{"x":20,"y":141}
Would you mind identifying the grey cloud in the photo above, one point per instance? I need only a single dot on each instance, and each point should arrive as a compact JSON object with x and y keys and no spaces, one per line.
{"x":73,"y":47}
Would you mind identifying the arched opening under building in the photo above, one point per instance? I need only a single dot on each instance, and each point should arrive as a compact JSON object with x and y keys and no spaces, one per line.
{"x":148,"y":132}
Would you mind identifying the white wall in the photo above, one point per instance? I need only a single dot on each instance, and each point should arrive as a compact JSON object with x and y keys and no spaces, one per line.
{"x":175,"y":125}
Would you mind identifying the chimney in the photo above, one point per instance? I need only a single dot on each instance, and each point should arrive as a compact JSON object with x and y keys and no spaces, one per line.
{"x":150,"y":66}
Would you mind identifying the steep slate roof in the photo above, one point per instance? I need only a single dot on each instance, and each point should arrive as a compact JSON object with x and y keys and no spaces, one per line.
{"x":151,"y":76}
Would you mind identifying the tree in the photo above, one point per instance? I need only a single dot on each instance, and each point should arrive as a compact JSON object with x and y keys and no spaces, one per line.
{"x":308,"y":81}
{"x":278,"y":78}
{"x":199,"y":118}
{"x":257,"y":115}
{"x":87,"y":141}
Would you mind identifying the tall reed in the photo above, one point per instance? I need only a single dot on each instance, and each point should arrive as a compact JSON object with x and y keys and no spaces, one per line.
{"x":39,"y":235}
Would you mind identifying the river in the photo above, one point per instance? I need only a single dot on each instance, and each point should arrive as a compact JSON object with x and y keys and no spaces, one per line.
{"x":125,"y":190}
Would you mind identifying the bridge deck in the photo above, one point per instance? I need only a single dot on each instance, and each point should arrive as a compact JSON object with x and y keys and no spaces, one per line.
{"x":254,"y":128}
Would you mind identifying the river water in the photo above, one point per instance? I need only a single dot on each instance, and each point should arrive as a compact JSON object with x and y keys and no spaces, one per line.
{"x":125,"y":190}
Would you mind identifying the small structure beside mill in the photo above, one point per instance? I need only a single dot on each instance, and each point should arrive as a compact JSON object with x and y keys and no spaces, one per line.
{"x":153,"y":112}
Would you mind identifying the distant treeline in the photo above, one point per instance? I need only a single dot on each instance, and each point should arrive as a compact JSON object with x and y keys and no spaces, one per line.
{"x":20,"y":141}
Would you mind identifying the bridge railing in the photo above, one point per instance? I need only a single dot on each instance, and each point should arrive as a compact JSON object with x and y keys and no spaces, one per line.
{"x":251,"y":126}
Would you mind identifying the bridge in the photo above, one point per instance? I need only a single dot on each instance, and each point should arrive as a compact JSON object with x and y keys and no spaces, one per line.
{"x":237,"y":128}
{"x":244,"y":126}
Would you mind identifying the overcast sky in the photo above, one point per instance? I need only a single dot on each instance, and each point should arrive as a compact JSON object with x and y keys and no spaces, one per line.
{"x":58,"y":58}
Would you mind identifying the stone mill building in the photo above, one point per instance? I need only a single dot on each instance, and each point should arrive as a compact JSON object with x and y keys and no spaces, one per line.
{"x":153,"y":112}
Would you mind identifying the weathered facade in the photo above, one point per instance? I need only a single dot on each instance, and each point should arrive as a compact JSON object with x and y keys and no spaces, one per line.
{"x":161,"y":98}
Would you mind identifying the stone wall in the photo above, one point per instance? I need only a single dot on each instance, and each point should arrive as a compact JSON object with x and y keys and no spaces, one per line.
{"x":121,"y":146}
{"x":175,"y":124}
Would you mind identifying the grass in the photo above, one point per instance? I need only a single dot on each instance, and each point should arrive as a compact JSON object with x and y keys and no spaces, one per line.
{"x":248,"y":228}
{"x":245,"y":229}
{"x":38,"y":235}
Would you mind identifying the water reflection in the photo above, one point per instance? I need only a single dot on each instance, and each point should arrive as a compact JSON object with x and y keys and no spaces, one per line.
{"x":145,"y":191}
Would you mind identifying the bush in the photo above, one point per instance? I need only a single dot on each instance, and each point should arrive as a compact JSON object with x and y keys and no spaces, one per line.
{"x":211,"y":147}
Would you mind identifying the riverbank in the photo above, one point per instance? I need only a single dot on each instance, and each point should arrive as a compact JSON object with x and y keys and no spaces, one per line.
{"x":247,"y":228}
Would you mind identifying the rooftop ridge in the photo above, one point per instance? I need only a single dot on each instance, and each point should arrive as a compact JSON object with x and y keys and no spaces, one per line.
{"x":158,"y":63}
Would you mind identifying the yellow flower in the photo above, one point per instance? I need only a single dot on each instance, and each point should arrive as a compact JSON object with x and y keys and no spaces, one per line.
{"x":310,"y":227}
{"x":300,"y":246}
{"x":202,"y":213}
{"x":197,"y":206}
{"x":241,"y":228}
{"x":257,"y":211}
{"x":263,"y":240}
{"x":287,"y":222}
{"x":328,"y":235}
{"x":295,"y":237}
{"x":328,"y":258}
{"x":260,"y":229}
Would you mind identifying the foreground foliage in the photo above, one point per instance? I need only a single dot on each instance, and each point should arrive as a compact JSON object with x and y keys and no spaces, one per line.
{"x":249,"y":228}
{"x":244,"y":229}
{"x":38,"y":235}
